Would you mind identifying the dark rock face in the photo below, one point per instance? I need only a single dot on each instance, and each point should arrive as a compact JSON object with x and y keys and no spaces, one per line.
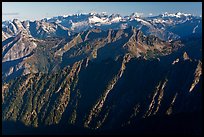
{"x":102,"y":81}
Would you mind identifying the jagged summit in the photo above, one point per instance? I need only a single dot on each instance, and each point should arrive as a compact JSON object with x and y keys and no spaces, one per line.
{"x":136,"y":14}
{"x":185,"y":56}
{"x":177,"y":14}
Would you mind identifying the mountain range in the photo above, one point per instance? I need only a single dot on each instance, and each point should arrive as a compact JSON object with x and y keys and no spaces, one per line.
{"x":99,"y":73}
{"x":165,"y":26}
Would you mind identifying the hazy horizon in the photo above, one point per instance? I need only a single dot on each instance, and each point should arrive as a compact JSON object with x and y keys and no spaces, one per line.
{"x":40,"y":10}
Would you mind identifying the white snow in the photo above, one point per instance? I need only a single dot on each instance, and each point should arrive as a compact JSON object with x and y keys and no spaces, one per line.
{"x":175,"y":61}
{"x":143,"y":21}
{"x":159,"y":21}
{"x":194,"y":29}
{"x":95,"y":19}
{"x":137,"y":14}
{"x":116,"y":19}
{"x":79,"y":24}
{"x":65,"y":16}
{"x":178,"y":14}
{"x":14,"y":28}
{"x":58,"y":89}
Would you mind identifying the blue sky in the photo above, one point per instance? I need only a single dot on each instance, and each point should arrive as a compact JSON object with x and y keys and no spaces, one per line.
{"x":39,"y":10}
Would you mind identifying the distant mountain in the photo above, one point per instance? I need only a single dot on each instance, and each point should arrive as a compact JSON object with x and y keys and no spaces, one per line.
{"x":165,"y":26}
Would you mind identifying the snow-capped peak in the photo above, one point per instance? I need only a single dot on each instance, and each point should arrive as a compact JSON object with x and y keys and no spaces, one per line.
{"x":136,"y":14}
{"x":65,"y":16}
{"x":96,"y":19}
{"x":182,"y":14}
{"x":115,"y":18}
{"x":178,"y":14}
{"x":92,"y":13}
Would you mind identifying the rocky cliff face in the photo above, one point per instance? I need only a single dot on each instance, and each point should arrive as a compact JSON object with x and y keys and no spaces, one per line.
{"x":24,"y":54}
{"x":84,"y":96}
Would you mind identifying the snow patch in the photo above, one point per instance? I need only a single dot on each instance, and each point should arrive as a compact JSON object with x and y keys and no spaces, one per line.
{"x":194,"y":29}
{"x":95,"y":19}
